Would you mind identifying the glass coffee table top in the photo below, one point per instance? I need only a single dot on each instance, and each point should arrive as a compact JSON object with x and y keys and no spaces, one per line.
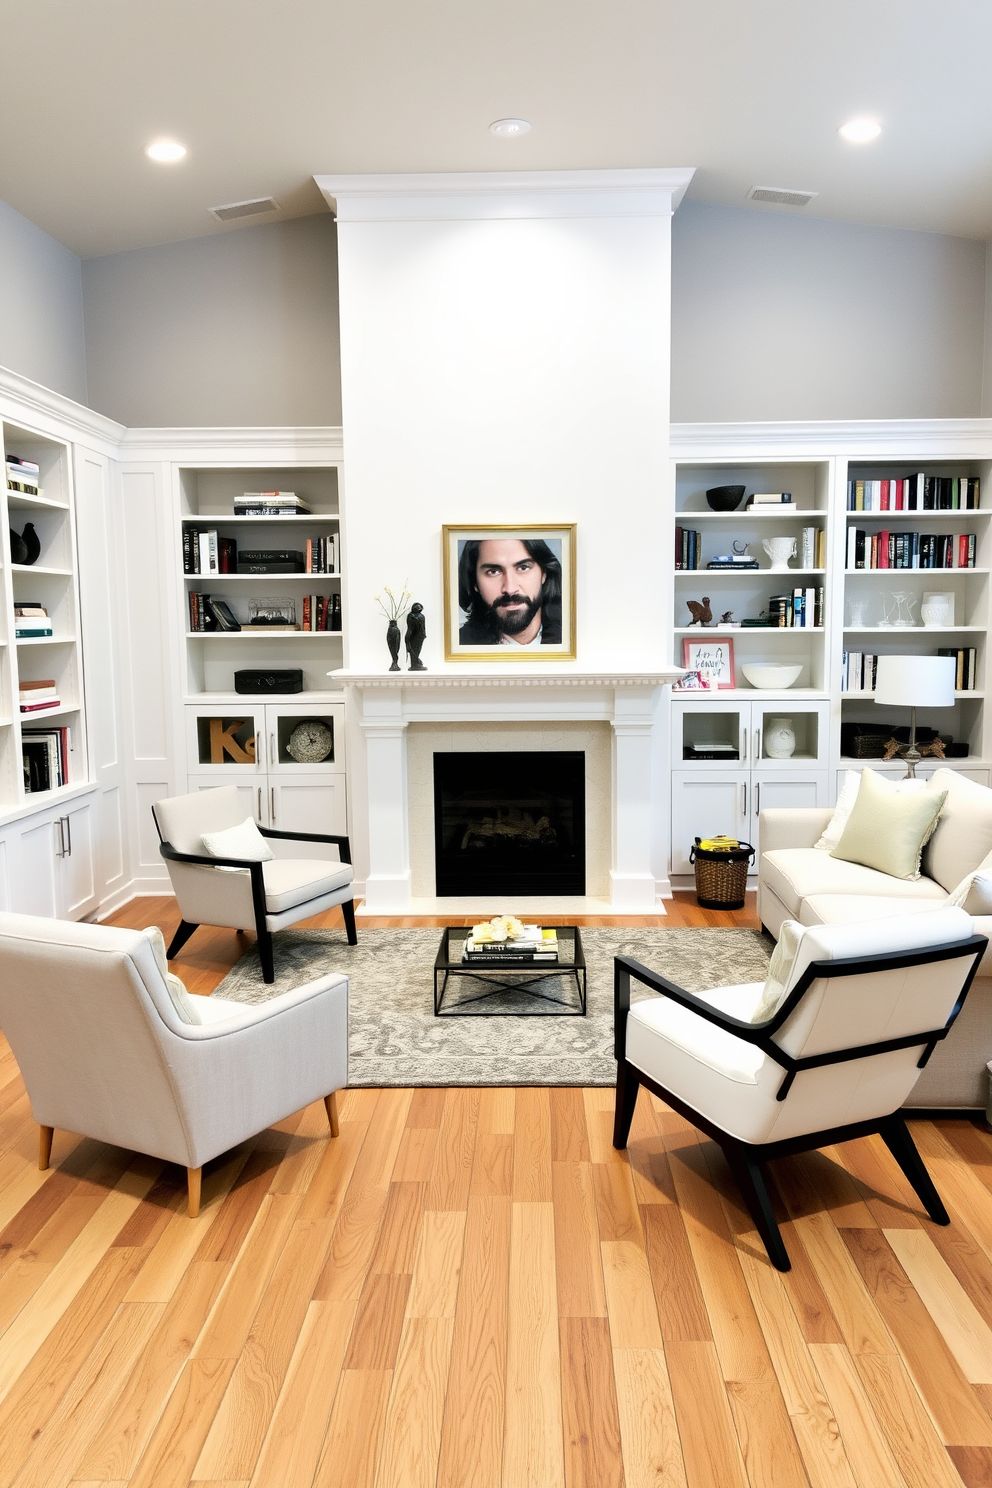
{"x":513,"y":988}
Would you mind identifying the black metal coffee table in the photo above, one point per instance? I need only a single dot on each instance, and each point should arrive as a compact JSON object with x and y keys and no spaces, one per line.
{"x":514,"y":976}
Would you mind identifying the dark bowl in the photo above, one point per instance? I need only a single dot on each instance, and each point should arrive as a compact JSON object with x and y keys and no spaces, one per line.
{"x":724,"y":498}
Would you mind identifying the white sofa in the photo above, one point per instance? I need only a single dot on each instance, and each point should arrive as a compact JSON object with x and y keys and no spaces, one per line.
{"x":798,"y":881}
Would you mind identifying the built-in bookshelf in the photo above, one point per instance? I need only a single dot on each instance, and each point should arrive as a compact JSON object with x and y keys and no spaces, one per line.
{"x":207,"y":523}
{"x":42,"y":720}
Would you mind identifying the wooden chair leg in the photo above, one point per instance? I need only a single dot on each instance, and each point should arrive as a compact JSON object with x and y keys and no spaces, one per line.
{"x":193,"y":1176}
{"x":331,"y":1107}
{"x":626,"y":1099}
{"x":45,"y":1134}
{"x":348,"y":910}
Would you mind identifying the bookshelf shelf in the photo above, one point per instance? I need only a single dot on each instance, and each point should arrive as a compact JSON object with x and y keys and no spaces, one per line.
{"x":902,"y":632}
{"x":52,"y":640}
{"x":228,"y":578}
{"x":20,"y":501}
{"x":787,"y":632}
{"x":37,"y":568}
{"x":747,"y":573}
{"x":260,"y":635}
{"x":223,"y":519}
{"x":919,"y":517}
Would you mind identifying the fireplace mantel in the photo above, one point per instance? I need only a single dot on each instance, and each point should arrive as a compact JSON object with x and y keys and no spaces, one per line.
{"x":384,"y":704}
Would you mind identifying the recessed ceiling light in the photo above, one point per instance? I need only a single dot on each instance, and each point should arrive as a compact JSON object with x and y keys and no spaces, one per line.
{"x":510,"y":128}
{"x":165,"y":151}
{"x":860,"y":131}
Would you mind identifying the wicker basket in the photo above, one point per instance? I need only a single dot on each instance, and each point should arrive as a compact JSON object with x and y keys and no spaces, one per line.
{"x":868,"y":746}
{"x":721,"y":875}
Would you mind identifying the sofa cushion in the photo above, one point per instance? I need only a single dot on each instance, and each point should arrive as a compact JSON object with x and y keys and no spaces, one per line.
{"x":794,"y":873}
{"x":835,"y":909}
{"x":963,"y":835}
{"x":244,"y":841}
{"x":293,"y":881}
{"x":887,"y":828}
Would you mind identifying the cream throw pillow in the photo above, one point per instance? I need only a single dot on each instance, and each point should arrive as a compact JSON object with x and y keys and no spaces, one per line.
{"x":974,"y":893}
{"x":888,"y":828}
{"x":184,"y":1005}
{"x":779,"y":970}
{"x":845,"y":805}
{"x":243,"y":841}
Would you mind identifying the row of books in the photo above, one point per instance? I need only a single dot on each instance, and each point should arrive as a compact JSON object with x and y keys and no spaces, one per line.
{"x":23,"y":476}
{"x":205,"y":552}
{"x":812,"y":551}
{"x":321,"y":612}
{"x":920,"y":492}
{"x":37,"y":697}
{"x":800,"y":610}
{"x":30,"y":620}
{"x":270,"y":504}
{"x":910,"y":549}
{"x":687,"y":547}
{"x":45,"y":758}
{"x":859,"y":668}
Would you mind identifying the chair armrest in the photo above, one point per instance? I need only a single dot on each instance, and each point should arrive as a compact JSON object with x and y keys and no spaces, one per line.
{"x":624,"y":967}
{"x":250,"y":1015}
{"x":168,"y":851}
{"x":792,"y":826}
{"x":342,"y":844}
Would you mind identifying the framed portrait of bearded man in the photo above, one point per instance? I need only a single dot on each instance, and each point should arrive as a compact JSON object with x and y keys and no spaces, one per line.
{"x":509,"y":593}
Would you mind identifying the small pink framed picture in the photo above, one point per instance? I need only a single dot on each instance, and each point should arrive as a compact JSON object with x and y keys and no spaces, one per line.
{"x":712,"y":658}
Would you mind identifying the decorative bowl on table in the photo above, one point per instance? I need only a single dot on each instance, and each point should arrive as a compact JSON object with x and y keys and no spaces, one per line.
{"x":724,"y":498}
{"x":769,"y":675}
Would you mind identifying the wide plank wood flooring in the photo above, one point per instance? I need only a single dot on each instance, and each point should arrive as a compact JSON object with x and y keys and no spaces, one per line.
{"x":471,"y":1289}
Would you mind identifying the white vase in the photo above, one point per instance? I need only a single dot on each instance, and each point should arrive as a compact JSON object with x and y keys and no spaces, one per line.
{"x":780,"y":550}
{"x":780,"y":740}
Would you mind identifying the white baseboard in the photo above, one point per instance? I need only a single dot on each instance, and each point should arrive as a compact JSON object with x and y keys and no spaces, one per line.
{"x":138,"y":888}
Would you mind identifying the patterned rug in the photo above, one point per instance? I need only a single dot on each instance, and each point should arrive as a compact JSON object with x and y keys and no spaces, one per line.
{"x":394,"y":1038}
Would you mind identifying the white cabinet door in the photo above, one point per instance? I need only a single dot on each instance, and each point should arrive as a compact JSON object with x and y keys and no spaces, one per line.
{"x":775,"y":788}
{"x":707,"y":804}
{"x":34,"y":881}
{"x":281,"y":723}
{"x":76,"y":876}
{"x":253,"y":797}
{"x":308,"y":803}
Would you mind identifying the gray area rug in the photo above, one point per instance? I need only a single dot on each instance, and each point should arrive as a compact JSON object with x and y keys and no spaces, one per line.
{"x":396,"y":1040}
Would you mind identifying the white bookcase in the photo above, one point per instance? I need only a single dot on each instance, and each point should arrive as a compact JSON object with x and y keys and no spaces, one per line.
{"x":814,"y":462}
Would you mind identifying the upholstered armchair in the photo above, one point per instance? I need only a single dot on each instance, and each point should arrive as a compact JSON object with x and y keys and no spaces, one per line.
{"x":109,"y":1049}
{"x":269,"y":895}
{"x":827,"y":1049}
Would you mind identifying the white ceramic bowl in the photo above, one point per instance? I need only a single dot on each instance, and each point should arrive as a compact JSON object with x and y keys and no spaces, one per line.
{"x":768,"y":675}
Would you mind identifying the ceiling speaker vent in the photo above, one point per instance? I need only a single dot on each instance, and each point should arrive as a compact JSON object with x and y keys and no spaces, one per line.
{"x":781,"y":196}
{"x":253,"y":208}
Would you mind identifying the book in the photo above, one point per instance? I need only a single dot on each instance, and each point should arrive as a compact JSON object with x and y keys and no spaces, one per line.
{"x":40,"y":706}
{"x":39,"y":688}
{"x":209,"y":552}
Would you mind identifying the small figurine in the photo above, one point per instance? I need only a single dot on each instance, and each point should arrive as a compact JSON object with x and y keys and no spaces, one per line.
{"x":701,"y":613}
{"x":935,"y":748}
{"x":727,"y":618}
{"x":416,"y":633}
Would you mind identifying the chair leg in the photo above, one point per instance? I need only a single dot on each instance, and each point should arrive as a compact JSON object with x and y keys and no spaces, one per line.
{"x":45,"y":1135}
{"x":895,"y":1135}
{"x":348,"y":910}
{"x":193,"y":1176}
{"x":265,"y":955}
{"x":626,"y":1099}
{"x":180,"y":938}
{"x":750,"y":1179}
{"x":331,"y":1107}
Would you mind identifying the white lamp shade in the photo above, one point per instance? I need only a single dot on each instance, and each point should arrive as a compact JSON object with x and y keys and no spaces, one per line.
{"x":915,"y":681}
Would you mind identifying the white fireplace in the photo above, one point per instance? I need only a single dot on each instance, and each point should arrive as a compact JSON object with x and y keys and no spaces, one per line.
{"x":497,"y":702}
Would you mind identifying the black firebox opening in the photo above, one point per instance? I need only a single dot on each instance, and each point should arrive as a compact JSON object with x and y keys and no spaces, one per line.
{"x":510,"y":824}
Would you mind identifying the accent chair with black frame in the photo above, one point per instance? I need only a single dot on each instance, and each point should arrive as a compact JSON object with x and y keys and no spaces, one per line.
{"x":862,"y":1009}
{"x":269,"y":895}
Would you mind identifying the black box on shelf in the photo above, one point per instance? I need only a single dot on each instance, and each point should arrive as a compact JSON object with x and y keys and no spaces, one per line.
{"x":258,"y":680}
{"x":284,"y":560}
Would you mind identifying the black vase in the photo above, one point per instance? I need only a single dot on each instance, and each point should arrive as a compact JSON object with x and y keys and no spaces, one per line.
{"x":393,"y":642}
{"x":18,"y":548}
{"x":32,"y":543}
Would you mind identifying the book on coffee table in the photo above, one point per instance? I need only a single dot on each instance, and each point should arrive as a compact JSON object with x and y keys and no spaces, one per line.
{"x":533,"y":945}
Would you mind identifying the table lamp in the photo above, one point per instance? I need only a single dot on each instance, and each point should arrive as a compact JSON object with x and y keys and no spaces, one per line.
{"x":914,"y":682}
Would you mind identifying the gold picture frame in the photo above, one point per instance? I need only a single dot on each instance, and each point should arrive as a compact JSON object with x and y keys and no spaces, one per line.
{"x":482,"y":624}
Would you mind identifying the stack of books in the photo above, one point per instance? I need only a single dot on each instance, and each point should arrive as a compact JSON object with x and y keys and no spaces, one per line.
{"x":322,"y":555}
{"x":802,"y":609}
{"x":45,"y":756}
{"x":761,"y":500}
{"x":534,"y":945}
{"x":687,"y":545}
{"x":322,"y":612}
{"x":23,"y":476}
{"x":965,"y":658}
{"x":919,"y":492}
{"x":207,"y":553}
{"x":733,"y":561}
{"x":35,"y":697}
{"x":31,"y":619}
{"x":858,"y":670}
{"x":270,"y":504}
{"x":814,"y":548}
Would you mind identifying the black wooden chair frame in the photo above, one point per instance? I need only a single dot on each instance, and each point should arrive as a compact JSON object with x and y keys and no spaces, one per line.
{"x":746,"y":1159}
{"x":264,"y":934}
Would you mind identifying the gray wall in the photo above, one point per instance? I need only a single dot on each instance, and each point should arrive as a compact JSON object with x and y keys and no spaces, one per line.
{"x":41,"y":307}
{"x":778,"y":317}
{"x":234,"y":329}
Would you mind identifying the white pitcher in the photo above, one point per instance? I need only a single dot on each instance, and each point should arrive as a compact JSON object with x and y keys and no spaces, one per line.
{"x":780,"y":550}
{"x":780,"y":739}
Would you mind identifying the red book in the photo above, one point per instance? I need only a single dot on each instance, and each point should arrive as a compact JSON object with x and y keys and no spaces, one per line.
{"x":884,"y":504}
{"x":306,"y":610}
{"x":309,"y":555}
{"x":883,"y":550}
{"x":963,"y":550}
{"x":40,"y":707}
{"x":900,"y":495}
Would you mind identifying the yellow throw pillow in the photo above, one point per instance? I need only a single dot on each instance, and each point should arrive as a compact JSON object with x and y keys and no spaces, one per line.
{"x":888,"y":828}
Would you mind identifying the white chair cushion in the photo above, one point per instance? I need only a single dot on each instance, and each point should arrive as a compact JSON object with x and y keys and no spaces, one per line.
{"x":659,"y":1021}
{"x":182,"y":820}
{"x":794,"y":873}
{"x":962,"y":837}
{"x":184,"y":1005}
{"x":293,"y":881}
{"x":243,"y":841}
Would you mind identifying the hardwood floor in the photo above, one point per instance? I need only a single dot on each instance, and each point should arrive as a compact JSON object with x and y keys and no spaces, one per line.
{"x":471,"y":1287}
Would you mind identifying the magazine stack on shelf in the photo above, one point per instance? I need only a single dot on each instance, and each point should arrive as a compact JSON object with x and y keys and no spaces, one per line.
{"x":270,"y":504}
{"x":23,"y":476}
{"x":36,"y":697}
{"x":46,"y":758}
{"x":506,"y":942}
{"x":30,"y":621}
